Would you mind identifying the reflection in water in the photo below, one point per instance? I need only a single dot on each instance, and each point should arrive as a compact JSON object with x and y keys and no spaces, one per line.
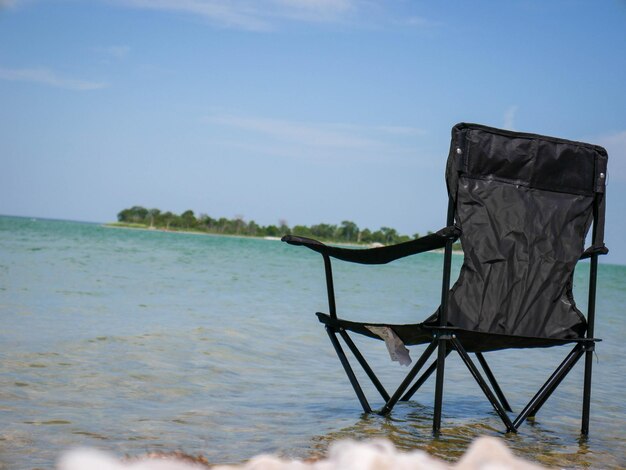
{"x":135,"y":341}
{"x":410,"y":428}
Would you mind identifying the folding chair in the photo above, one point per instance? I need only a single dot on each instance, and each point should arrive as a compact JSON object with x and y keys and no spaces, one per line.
{"x":522,"y":205}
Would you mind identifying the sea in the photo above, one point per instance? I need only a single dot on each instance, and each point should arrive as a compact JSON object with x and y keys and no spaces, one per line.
{"x":137,"y":341}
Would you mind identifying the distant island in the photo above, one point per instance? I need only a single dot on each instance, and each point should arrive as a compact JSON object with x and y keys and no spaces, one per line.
{"x":345,"y":233}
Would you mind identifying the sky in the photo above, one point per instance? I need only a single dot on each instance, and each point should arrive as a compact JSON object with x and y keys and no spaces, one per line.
{"x":304,"y":111}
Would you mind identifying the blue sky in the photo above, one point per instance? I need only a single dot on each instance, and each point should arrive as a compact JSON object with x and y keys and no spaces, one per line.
{"x":306,"y":111}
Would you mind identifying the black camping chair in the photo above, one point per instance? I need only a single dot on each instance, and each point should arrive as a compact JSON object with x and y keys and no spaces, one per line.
{"x":522,"y":205}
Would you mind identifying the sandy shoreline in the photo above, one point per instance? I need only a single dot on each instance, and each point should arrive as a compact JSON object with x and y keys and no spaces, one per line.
{"x":253,"y":237}
{"x":186,"y":232}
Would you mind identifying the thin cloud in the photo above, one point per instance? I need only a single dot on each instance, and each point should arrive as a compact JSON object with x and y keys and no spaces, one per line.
{"x":316,"y":141}
{"x":114,"y":52}
{"x":8,"y":4}
{"x":316,"y":135}
{"x":509,"y":117}
{"x":246,"y":15}
{"x":45,"y":76}
{"x":268,"y":15}
{"x":316,"y":4}
{"x":401,"y":130}
{"x":418,"y":21}
{"x":313,"y":10}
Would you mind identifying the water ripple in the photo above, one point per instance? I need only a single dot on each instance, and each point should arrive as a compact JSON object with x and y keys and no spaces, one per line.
{"x":135,"y":341}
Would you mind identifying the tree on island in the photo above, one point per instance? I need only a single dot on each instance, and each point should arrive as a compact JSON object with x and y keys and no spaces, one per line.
{"x":346,"y":232}
{"x":188,"y":219}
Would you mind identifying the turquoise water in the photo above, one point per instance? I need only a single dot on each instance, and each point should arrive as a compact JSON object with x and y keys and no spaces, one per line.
{"x":134,"y":341}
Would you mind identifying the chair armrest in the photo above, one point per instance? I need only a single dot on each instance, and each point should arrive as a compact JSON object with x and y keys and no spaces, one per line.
{"x":381,"y":255}
{"x":594,"y":250}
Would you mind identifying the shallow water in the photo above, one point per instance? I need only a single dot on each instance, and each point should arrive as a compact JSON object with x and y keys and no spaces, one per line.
{"x":134,"y":341}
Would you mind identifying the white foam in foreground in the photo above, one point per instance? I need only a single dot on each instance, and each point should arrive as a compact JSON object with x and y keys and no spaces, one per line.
{"x":486,"y":453}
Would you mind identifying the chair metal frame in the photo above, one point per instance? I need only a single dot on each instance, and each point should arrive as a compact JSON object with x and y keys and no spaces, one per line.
{"x":444,"y":338}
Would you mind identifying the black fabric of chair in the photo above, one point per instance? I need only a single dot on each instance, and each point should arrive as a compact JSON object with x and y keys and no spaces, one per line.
{"x":522,"y":205}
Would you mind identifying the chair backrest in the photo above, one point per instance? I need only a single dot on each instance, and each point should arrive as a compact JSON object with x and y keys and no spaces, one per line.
{"x":524,"y":203}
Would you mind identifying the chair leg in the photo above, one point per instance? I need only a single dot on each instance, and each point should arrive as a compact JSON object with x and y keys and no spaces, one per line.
{"x":366,"y":367}
{"x":570,"y":365}
{"x":441,"y":365}
{"x":348,"y":369}
{"x":424,"y":377}
{"x":584,"y":430}
{"x":494,"y":383}
{"x":409,"y":378}
{"x":483,"y":385}
{"x":548,"y":388}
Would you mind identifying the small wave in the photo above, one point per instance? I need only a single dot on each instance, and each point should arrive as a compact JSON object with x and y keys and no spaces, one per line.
{"x":51,"y":422}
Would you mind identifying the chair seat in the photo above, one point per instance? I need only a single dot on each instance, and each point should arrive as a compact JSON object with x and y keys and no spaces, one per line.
{"x":474,"y":341}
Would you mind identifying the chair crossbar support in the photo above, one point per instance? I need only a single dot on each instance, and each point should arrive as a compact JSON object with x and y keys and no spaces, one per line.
{"x":409,"y":378}
{"x":496,"y":396}
{"x":493,"y":381}
{"x":550,"y":385}
{"x":390,"y":402}
{"x":483,"y":385}
{"x":569,"y":367}
{"x":424,"y":377}
{"x":366,"y":367}
{"x":349,"y":372}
